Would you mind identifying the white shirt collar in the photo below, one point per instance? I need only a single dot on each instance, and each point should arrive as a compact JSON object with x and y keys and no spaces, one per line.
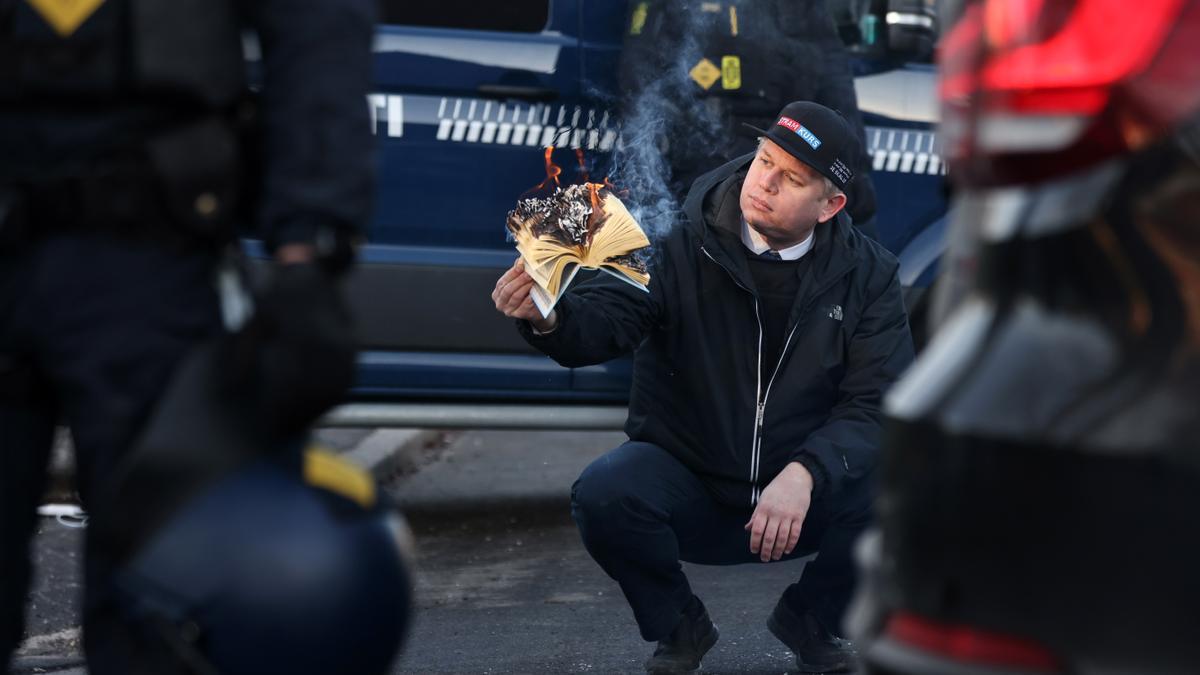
{"x":755,"y":242}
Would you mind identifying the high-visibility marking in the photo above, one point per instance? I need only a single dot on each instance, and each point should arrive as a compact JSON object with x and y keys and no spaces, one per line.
{"x":65,"y":16}
{"x":375,"y":103}
{"x":638,"y":22}
{"x":488,"y":121}
{"x":904,"y":151}
{"x":705,"y":73}
{"x":712,"y":7}
{"x":733,"y":28}
{"x":893,"y":161}
{"x":899,"y":150}
{"x":392,"y":108}
{"x":327,"y":471}
{"x":731,"y":72}
{"x":907,"y":157}
{"x":395,"y":116}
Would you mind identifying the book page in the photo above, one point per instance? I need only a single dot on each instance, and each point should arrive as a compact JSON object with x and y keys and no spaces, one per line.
{"x":546,"y":301}
{"x":552,"y":268}
{"x":627,"y":274}
{"x":619,"y":235}
{"x":557,"y":235}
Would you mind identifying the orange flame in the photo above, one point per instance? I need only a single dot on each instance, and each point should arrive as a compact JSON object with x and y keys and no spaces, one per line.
{"x":598,"y":214}
{"x":612,"y":187}
{"x":594,"y":189}
{"x":582,"y":166}
{"x":552,"y":170}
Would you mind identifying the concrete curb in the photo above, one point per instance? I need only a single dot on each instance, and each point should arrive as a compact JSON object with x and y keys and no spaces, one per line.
{"x":384,"y":451}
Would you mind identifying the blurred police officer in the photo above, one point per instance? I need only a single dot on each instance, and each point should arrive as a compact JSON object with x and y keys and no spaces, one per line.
{"x":127,"y":146}
{"x":706,"y":67}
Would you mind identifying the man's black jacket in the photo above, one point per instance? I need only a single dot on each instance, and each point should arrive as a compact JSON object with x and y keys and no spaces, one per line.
{"x":696,"y":389}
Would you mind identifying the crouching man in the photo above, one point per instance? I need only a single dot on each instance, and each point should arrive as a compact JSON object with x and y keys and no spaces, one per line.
{"x":762,"y":351}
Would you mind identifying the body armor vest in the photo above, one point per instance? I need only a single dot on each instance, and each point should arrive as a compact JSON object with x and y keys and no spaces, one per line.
{"x":120,"y":50}
{"x":118,"y":113}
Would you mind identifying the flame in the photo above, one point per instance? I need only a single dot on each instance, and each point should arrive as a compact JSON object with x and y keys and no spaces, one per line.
{"x":582,"y":166}
{"x":621,"y":193}
{"x":594,"y":189}
{"x":598,"y":215}
{"x":552,"y":170}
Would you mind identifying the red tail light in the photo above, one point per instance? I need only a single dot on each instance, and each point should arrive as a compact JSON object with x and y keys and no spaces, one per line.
{"x":964,"y":644}
{"x":1040,"y":87}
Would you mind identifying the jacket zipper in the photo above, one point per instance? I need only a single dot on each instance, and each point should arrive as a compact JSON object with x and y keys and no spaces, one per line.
{"x":760,"y":402}
{"x":760,"y":395}
{"x":762,"y":407}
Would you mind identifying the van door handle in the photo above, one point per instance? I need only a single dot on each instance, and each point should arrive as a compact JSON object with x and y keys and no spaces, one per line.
{"x":522,"y":93}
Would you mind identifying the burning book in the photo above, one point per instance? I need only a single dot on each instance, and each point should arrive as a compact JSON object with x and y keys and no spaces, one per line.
{"x":577,"y":226}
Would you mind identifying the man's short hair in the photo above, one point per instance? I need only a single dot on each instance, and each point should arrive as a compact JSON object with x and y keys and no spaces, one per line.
{"x":830,"y":191}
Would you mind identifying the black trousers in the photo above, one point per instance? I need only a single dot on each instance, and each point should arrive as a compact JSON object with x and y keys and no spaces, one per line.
{"x":640,"y":512}
{"x":90,"y":330}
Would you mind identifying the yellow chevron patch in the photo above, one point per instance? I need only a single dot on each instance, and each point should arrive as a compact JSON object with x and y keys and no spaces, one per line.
{"x":65,"y":16}
{"x":705,"y":73}
{"x":325,"y":470}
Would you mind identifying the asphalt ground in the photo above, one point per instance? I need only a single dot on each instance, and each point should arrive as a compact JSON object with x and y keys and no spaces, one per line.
{"x":505,"y":586}
{"x":503,"y":583}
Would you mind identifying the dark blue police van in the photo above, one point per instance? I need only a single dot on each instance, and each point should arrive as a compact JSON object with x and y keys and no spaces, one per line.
{"x":466,"y":100}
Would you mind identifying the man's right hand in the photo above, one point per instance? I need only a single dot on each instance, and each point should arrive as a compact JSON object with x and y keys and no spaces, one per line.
{"x":511,"y":296}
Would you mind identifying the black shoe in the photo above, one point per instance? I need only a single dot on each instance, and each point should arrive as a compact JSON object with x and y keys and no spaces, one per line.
{"x":681,"y":651}
{"x":816,"y":649}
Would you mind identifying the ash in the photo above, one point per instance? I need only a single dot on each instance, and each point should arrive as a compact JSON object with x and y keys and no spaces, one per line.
{"x":563,"y":215}
{"x":638,"y":260}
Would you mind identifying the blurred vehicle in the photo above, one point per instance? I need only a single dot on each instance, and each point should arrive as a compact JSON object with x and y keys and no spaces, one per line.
{"x":467,"y":98}
{"x":1042,"y":470}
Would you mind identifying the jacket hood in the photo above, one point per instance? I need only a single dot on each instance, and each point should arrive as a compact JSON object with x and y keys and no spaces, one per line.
{"x":713,"y":213}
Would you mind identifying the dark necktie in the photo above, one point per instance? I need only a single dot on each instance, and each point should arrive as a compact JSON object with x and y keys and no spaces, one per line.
{"x":770,"y":255}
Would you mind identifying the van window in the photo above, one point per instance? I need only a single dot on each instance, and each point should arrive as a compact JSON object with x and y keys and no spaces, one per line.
{"x":515,"y":16}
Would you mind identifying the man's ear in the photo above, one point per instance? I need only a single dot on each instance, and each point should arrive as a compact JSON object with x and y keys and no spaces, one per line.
{"x":832,"y":206}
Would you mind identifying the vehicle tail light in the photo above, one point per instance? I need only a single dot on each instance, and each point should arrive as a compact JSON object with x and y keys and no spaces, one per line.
{"x":966,"y":644}
{"x":1038,"y":88}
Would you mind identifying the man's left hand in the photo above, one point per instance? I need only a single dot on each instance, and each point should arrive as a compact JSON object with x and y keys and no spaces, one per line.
{"x":775,"y":526}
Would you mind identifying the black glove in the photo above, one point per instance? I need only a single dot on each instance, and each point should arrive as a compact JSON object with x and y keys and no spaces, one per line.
{"x":296,"y":356}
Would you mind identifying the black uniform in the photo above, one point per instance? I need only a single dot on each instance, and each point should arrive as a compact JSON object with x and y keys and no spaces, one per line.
{"x":785,"y":50}
{"x":127,"y":153}
{"x":716,"y":411}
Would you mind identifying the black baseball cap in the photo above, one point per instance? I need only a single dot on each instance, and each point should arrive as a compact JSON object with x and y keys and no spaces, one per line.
{"x":819,"y":137}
